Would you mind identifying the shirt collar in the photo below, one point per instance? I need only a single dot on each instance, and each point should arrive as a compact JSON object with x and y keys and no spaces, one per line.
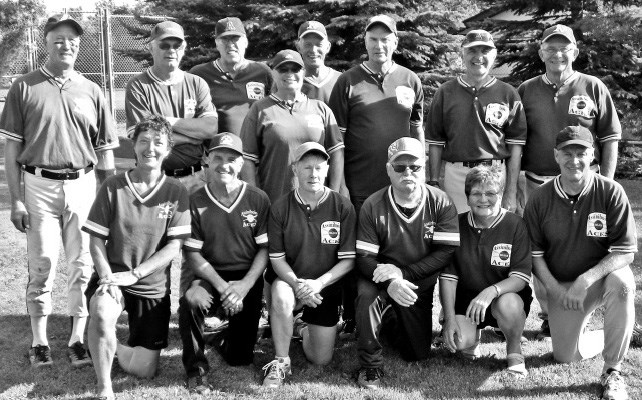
{"x":179,"y":77}
{"x":465,"y":84}
{"x":73,"y":75}
{"x":568,"y":80}
{"x":496,"y":221}
{"x":560,"y":190}
{"x":377,"y":74}
{"x":324,"y":197}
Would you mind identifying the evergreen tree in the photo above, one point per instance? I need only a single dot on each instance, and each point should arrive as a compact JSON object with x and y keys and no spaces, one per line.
{"x":13,"y":28}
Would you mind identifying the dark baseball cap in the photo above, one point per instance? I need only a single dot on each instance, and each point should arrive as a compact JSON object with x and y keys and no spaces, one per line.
{"x":61,"y":19}
{"x":478,"y":37}
{"x":309,"y":147}
{"x":226,"y":140}
{"x":559,"y":30}
{"x":315,"y":27}
{"x":286,"y":56}
{"x":574,"y":135}
{"x":167,"y":29}
{"x":230,"y":26}
{"x":384,"y":20}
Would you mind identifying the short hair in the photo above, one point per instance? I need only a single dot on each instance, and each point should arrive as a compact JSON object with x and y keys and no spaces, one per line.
{"x":155,"y":123}
{"x":484,"y":174}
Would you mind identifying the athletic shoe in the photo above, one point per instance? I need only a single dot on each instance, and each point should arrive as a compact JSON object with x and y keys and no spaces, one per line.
{"x":40,"y":356}
{"x":439,"y":340}
{"x":636,"y":337}
{"x":613,"y":386}
{"x":215,"y":325}
{"x":370,"y":378}
{"x":78,"y":355}
{"x":297,"y":330}
{"x":198,"y":384}
{"x":275,"y":373}
{"x":348,"y":329}
{"x":544,"y":331}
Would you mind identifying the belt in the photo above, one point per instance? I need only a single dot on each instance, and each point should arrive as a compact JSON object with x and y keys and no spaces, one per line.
{"x":60,"y":176}
{"x":177,"y":173}
{"x":473,"y":164}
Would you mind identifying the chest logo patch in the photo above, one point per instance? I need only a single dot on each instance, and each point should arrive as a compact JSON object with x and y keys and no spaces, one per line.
{"x":596,"y":225}
{"x":330,"y":232}
{"x":429,"y":230}
{"x":581,"y":105}
{"x":501,"y":255}
{"x":255,"y":90}
{"x":405,"y":96}
{"x":249,"y":218}
{"x":190,"y":108}
{"x":165,"y":210}
{"x":496,"y":114}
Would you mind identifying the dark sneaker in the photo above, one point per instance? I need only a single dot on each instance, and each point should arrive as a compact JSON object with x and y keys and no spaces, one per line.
{"x":544,"y":331}
{"x":370,"y":378}
{"x":613,"y":386}
{"x":439,"y":340}
{"x":348,"y":329}
{"x":198,"y":384}
{"x":78,"y":355}
{"x":275,"y":372}
{"x":40,"y":356}
{"x":636,"y":337}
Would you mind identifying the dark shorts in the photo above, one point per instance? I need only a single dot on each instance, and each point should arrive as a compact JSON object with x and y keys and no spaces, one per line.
{"x":464,"y":298}
{"x":148,"y":318}
{"x":327,"y":313}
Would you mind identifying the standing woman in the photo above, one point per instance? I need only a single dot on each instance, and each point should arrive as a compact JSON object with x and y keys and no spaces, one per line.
{"x":137,"y":226}
{"x":276,"y":125}
{"x":488,"y":282}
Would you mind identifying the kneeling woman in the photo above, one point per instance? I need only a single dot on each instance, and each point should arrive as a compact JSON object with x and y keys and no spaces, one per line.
{"x":487,"y":283}
{"x":311,"y":241}
{"x":137,"y":226}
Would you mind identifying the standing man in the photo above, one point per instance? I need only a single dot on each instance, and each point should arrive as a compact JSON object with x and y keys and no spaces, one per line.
{"x":235,"y":83}
{"x":58,"y":131}
{"x":314,"y":46}
{"x":182,"y":98}
{"x":583,"y":238}
{"x":476,"y":119}
{"x":558,"y":98}
{"x":407,"y":234}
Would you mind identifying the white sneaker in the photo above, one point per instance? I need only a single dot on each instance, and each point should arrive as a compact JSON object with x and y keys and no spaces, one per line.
{"x":613,"y":386}
{"x":275,"y":373}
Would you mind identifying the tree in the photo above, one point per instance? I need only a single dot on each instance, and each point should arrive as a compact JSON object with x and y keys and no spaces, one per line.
{"x":13,"y":29}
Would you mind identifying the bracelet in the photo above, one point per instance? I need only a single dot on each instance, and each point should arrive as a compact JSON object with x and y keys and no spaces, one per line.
{"x":499,"y":292}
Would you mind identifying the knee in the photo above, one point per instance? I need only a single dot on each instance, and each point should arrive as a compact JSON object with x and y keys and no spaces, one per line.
{"x":282,"y":301}
{"x":509,"y":307}
{"x":621,"y":283}
{"x":319,"y":358}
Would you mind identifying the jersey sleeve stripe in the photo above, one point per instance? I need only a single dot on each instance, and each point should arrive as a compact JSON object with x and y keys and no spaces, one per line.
{"x":209,"y":114}
{"x":346,"y":254}
{"x":179,"y":231}
{"x":416,"y":123}
{"x":448,"y":277}
{"x":193,"y":244}
{"x":369,"y":247}
{"x":615,"y":136}
{"x":525,"y":277}
{"x":537,"y":253}
{"x":96,"y":229}
{"x":624,"y":249}
{"x":252,"y":157}
{"x":276,"y":256}
{"x":336,"y":147}
{"x":261,"y":239}
{"x":11,"y":135}
{"x":342,"y":129}
{"x":515,"y":141}
{"x":450,"y":238}
{"x":436,"y":142}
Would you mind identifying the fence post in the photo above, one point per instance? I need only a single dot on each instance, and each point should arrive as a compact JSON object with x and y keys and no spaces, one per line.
{"x":107,"y":58}
{"x":32,"y":47}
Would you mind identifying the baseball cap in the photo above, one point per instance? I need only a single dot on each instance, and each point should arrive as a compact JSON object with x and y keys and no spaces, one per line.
{"x":230,"y":26}
{"x":167,"y":29}
{"x":309,"y":27}
{"x":309,"y":147}
{"x":286,"y":56}
{"x":382,"y":20}
{"x":574,"y":135}
{"x":405,"y":145}
{"x":226,"y":140}
{"x":60,"y":19}
{"x":478,"y":37}
{"x":558,"y":30}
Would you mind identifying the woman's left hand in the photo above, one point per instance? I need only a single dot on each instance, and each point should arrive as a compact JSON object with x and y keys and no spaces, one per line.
{"x":476,"y":311}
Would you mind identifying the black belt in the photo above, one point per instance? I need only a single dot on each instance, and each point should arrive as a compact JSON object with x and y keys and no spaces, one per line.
{"x":177,"y":173}
{"x":60,"y":176}
{"x":473,"y":164}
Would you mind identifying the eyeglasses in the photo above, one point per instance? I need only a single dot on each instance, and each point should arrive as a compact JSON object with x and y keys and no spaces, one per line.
{"x":399,"y":168}
{"x":489,"y":195}
{"x":166,"y":46}
{"x":552,"y":50}
{"x":293,"y":69}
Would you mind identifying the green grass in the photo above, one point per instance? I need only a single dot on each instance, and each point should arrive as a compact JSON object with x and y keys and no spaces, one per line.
{"x":444,"y":376}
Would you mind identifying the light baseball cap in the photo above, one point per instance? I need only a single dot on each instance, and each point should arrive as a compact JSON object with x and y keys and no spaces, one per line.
{"x":62,"y":19}
{"x":286,"y":56}
{"x":405,"y":146}
{"x":315,"y":27}
{"x":384,"y":20}
{"x":574,"y":135}
{"x":226,"y":140}
{"x":230,"y":26}
{"x":309,"y":147}
{"x":559,"y":30}
{"x":167,"y":29}
{"x":478,"y":37}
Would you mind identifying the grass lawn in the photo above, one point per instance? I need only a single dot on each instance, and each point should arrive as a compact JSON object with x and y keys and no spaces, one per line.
{"x":444,"y":376}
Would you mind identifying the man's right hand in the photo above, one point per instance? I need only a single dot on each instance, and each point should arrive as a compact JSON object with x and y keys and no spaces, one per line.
{"x":197,"y":295}
{"x":403,"y":292}
{"x":452,"y":334}
{"x":20,"y":216}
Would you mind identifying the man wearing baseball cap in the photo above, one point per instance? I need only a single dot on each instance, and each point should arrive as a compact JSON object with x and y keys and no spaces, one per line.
{"x":312,"y":246}
{"x":583,"y":238}
{"x":227,"y":254}
{"x":235,"y":82}
{"x":558,"y":98}
{"x":314,"y":46}
{"x":476,"y":119}
{"x":59,"y":140}
{"x":406,"y":235}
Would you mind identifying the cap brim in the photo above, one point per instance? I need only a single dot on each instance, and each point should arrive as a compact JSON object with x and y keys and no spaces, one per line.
{"x":385,"y":25}
{"x":231,"y":33}
{"x":406,"y":153}
{"x":169,"y":35}
{"x":582,"y":143}
{"x":300,"y":64}
{"x":314,"y":151}
{"x":567,"y":37}
{"x":311,"y":31}
{"x":74,"y":24}
{"x":224,"y":146}
{"x":479,"y":43}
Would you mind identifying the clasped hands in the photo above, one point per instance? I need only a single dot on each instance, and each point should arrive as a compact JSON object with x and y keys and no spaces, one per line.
{"x":400,"y":290}
{"x":308,"y":292}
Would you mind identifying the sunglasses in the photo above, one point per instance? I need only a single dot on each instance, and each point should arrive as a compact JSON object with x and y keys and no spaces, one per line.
{"x":293,"y":69}
{"x":175,"y":46}
{"x":399,"y":168}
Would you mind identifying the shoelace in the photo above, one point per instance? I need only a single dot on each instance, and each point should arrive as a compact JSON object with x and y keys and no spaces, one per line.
{"x":274,"y":369}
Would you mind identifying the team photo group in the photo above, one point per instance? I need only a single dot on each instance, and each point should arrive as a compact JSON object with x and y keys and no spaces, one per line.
{"x":328,"y":198}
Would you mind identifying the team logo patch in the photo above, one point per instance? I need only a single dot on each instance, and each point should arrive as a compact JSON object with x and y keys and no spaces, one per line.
{"x":190,"y":108}
{"x":429,"y":230}
{"x":255,"y":90}
{"x":581,"y":105}
{"x":501,"y":255}
{"x":165,"y":210}
{"x":330,"y":232}
{"x":314,"y":121}
{"x":405,"y":96}
{"x":249,"y":218}
{"x":496,"y":114}
{"x":596,"y":225}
